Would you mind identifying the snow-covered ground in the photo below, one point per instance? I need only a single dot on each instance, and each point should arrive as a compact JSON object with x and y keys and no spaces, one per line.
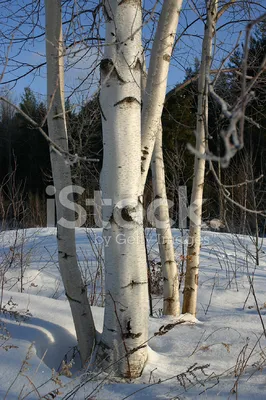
{"x":220,"y":354}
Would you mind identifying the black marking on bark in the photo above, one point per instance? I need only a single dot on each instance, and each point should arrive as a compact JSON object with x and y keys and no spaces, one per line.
{"x":128,"y":326}
{"x":188,"y":289}
{"x":111,"y":330}
{"x":127,"y":100}
{"x":107,"y":68}
{"x":158,"y":197}
{"x":111,"y":219}
{"x":169,"y":300}
{"x":166,"y":57}
{"x":65,"y":255}
{"x":128,"y":1}
{"x":146,"y":147}
{"x":71,"y":299}
{"x":134,"y":283}
{"x":128,"y":334}
{"x":143,"y":158}
{"x":131,"y":335}
{"x":125,"y":214}
{"x":194,"y":267}
{"x":106,"y":65}
{"x":145,"y":152}
{"x":138,"y":65}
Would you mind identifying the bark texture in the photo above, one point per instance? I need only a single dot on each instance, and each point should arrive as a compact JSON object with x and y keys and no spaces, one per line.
{"x":171,"y":303}
{"x":154,"y":90}
{"x":75,"y":289}
{"x":195,"y":213}
{"x":157,"y":80}
{"x":123,"y":343}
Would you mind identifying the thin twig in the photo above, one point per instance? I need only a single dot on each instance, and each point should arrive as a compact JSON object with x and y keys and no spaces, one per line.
{"x":53,"y":146}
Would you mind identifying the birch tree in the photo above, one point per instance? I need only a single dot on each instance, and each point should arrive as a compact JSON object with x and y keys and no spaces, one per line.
{"x":125,"y":328}
{"x":76,"y":291}
{"x":120,"y":103}
{"x":193,"y":250}
{"x":153,"y":102}
{"x":171,"y":304}
{"x":157,"y":80}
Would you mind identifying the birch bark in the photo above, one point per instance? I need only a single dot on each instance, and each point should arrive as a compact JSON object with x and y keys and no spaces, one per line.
{"x":75,"y":288}
{"x":153,"y":101}
{"x":193,"y":249}
{"x":171,"y":303}
{"x":157,"y":80}
{"x":125,"y":328}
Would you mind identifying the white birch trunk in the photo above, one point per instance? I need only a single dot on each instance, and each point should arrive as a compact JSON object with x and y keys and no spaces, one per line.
{"x":75,"y":289}
{"x":157,"y":80}
{"x":126,"y":307}
{"x":153,"y":101}
{"x":193,"y":250}
{"x":171,"y":304}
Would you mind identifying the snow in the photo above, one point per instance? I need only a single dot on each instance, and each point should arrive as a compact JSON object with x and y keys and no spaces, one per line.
{"x":202,"y":355}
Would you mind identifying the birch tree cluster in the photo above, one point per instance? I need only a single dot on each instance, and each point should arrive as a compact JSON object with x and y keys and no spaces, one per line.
{"x":108,"y":120}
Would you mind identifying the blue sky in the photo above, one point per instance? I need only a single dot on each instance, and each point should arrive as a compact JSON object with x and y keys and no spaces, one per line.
{"x":32,"y":53}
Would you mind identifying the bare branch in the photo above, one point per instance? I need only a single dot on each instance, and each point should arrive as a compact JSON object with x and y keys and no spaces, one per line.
{"x":69,"y":158}
{"x":227,"y":194}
